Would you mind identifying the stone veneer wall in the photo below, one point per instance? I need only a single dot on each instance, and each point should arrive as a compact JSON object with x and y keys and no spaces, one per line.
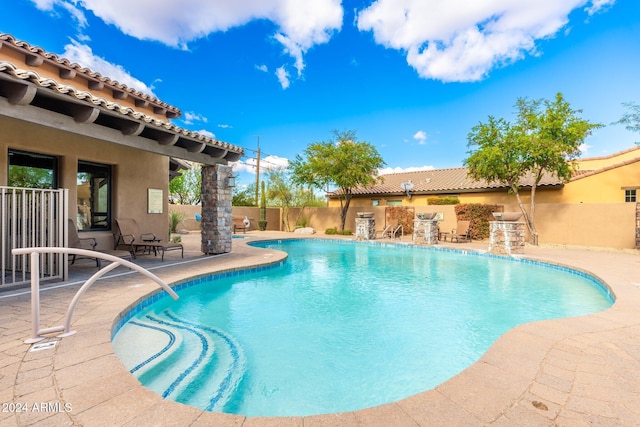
{"x":425,"y":231}
{"x":216,"y":209}
{"x":506,"y":237}
{"x":365,"y":228}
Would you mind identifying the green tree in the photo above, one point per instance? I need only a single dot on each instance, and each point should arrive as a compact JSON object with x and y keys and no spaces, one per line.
{"x":244,"y":196}
{"x":186,"y":189}
{"x":631,"y":119}
{"x":285,"y":194}
{"x":343,"y":161}
{"x":30,"y":177}
{"x":539,"y":142}
{"x":262,"y":223}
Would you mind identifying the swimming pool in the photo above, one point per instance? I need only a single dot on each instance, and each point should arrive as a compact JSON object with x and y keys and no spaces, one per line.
{"x":340,"y":326}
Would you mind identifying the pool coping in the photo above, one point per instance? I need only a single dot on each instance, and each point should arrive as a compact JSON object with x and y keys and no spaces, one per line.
{"x":568,"y":371}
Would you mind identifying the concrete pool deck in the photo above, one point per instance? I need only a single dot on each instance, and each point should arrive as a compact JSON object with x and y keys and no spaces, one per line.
{"x":570,"y":372}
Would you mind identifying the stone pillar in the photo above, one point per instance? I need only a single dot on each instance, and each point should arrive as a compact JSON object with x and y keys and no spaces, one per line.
{"x":506,"y":237}
{"x":365,"y":228}
{"x":425,"y":231}
{"x":216,"y":209}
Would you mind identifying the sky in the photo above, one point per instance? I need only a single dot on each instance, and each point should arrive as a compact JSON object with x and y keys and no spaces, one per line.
{"x":410,"y":77}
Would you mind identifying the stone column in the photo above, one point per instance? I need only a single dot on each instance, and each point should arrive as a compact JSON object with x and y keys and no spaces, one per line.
{"x":425,"y":231}
{"x":365,"y":228}
{"x":506,"y":237}
{"x":216,"y":209}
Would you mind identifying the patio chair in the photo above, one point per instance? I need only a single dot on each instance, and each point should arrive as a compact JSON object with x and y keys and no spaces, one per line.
{"x":90,"y":243}
{"x":241,"y":224}
{"x":131,"y":238}
{"x":462,"y":232}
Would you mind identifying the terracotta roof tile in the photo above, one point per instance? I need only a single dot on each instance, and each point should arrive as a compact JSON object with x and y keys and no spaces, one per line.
{"x":439,"y":181}
{"x":35,"y":50}
{"x":455,"y":180}
{"x":33,"y":77}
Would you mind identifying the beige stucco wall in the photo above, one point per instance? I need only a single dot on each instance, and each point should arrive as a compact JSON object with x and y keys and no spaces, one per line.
{"x":239,"y":212}
{"x":606,"y":225}
{"x":133,"y":172}
{"x":605,"y":187}
{"x":604,"y":161}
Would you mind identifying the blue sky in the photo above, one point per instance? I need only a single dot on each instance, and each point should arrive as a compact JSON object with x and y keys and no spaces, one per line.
{"x":411,"y":77}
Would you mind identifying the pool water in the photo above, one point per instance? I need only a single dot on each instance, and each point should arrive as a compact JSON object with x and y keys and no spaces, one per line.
{"x":340,"y":326}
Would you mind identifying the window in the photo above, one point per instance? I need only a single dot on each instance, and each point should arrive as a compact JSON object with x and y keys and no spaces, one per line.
{"x":94,"y":196}
{"x":630,"y":195}
{"x":32,"y":170}
{"x":375,"y":202}
{"x":394,"y":202}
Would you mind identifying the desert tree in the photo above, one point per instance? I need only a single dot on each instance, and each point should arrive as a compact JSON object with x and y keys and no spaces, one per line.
{"x":343,"y":162}
{"x":544,"y":139}
{"x":631,"y":118}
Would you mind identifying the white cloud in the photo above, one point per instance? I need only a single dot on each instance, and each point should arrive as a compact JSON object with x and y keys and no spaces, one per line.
{"x":599,"y":6}
{"x":300,"y":25}
{"x":190,"y":117}
{"x":283,"y":77}
{"x":69,"y":6}
{"x":421,"y":137}
{"x":389,"y":170}
{"x":225,"y":126}
{"x":84,"y":56}
{"x":273,"y":163}
{"x":207,"y":133}
{"x":267,"y":163}
{"x":459,"y":40}
{"x":262,"y":68}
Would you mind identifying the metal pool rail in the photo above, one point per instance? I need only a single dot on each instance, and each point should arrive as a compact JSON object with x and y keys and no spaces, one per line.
{"x":35,"y":285}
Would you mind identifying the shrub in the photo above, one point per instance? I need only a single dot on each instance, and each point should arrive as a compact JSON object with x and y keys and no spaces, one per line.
{"x":334,"y":230}
{"x":175,"y":218}
{"x":447,"y":200}
{"x":479,"y":214}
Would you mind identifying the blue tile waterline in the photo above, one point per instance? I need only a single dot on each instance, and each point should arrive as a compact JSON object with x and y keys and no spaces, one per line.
{"x":159,"y":295}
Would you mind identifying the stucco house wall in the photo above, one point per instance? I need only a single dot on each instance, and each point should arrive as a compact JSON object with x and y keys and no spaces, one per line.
{"x":51,"y":106}
{"x":133,"y":172}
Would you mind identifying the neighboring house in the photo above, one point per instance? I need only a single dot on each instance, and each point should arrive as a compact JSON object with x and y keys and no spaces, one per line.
{"x":609,"y":179}
{"x":113,"y":147}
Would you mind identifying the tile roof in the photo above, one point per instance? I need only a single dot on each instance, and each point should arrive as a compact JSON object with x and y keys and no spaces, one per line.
{"x":456,"y":180}
{"x":197,"y":141}
{"x":41,"y":54}
{"x":440,"y":181}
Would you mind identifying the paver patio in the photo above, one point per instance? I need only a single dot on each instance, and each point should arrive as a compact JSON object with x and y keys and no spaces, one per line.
{"x":569,"y":372}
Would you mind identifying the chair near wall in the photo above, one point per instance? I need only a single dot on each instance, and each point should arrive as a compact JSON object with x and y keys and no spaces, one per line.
{"x":462,"y":232}
{"x":135,"y":241}
{"x":90,"y":243}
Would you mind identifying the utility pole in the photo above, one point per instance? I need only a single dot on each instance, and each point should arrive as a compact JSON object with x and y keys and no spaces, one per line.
{"x":258,"y":173}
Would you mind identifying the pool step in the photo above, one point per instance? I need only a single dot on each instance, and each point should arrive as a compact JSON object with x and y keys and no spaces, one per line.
{"x":190,"y":363}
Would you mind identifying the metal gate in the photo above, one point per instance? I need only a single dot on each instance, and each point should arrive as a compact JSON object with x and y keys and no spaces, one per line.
{"x":31,"y":217}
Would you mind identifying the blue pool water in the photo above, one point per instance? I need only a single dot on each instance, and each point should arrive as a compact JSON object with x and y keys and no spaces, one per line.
{"x":340,"y":326}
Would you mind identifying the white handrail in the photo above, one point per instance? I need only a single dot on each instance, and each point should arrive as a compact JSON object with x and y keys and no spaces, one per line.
{"x":35,"y":285}
{"x":388,"y":229}
{"x":395,"y":232}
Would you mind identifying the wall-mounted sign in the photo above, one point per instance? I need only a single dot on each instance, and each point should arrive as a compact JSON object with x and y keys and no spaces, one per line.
{"x":154,"y":201}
